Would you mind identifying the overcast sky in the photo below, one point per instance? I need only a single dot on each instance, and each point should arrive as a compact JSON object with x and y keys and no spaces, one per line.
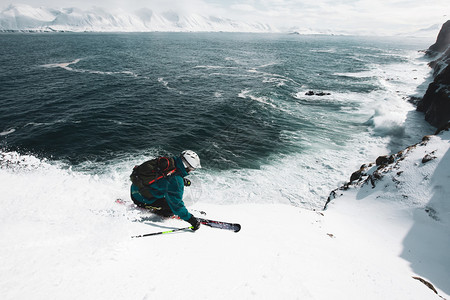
{"x":376,"y":16}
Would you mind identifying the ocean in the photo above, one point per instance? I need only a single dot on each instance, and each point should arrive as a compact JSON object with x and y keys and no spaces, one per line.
{"x":79,"y":110}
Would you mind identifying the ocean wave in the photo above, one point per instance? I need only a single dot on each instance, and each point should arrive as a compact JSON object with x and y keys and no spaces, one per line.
{"x":7,"y":131}
{"x":14,"y":161}
{"x":37,"y":124}
{"x":273,"y":77}
{"x":269,"y":64}
{"x":165,"y":83}
{"x":41,"y":182}
{"x":246,"y":94}
{"x":385,"y":122}
{"x":331,"y":50}
{"x":218,"y":74}
{"x":282,"y":180}
{"x":214,"y":67}
{"x":65,"y":66}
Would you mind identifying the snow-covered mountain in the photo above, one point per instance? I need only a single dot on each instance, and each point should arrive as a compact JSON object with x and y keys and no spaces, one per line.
{"x":21,"y":17}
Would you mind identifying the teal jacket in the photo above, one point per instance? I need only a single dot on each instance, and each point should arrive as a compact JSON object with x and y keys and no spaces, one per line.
{"x":171,"y":188}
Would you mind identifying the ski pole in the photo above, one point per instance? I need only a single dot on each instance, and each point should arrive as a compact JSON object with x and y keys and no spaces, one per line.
{"x":161,"y":232}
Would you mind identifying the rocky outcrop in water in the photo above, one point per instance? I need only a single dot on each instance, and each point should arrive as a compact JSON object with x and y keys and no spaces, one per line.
{"x":436,"y":101}
{"x":312,"y":93}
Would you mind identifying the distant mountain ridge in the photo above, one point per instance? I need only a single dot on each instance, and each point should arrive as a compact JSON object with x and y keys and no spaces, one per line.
{"x":21,"y":17}
{"x":25,"y":18}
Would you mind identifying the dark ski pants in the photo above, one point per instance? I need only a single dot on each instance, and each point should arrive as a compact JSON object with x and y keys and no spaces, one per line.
{"x":159,"y":207}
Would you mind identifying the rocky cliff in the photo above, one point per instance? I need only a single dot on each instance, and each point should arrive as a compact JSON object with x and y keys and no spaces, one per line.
{"x":436,"y":101}
{"x":436,"y":105}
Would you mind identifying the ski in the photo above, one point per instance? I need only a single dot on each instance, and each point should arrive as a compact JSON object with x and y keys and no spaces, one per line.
{"x":220,"y":225}
{"x":207,"y":222}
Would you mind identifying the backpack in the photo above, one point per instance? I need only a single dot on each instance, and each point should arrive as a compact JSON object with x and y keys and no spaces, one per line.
{"x":151,"y":171}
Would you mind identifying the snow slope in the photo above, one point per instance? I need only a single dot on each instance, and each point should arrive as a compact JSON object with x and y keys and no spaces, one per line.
{"x":63,"y":237}
{"x":21,"y":17}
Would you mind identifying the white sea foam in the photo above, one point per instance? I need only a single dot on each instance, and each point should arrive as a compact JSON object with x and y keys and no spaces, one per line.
{"x":273,"y":78}
{"x":66,"y":66}
{"x":390,"y":111}
{"x":264,"y":100}
{"x":214,"y":67}
{"x":267,"y":65}
{"x":229,"y":75}
{"x":330,"y":50}
{"x":36,"y":124}
{"x":165,"y":83}
{"x":8,"y":131}
{"x":387,"y":122}
{"x":303,"y":179}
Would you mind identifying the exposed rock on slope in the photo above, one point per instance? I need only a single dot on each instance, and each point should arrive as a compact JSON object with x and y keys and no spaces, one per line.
{"x":401,"y":174}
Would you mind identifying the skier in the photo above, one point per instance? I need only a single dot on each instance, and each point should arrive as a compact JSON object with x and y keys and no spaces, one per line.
{"x":164,"y":195}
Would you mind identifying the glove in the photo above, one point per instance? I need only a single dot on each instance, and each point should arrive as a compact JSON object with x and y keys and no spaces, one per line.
{"x":187,"y":182}
{"x":194,"y":222}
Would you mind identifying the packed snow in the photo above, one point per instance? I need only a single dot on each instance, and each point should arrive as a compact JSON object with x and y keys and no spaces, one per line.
{"x":64,"y":237}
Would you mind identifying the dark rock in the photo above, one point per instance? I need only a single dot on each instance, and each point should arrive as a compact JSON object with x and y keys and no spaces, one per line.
{"x":432,"y":213}
{"x":440,"y":62}
{"x":446,"y":127}
{"x":312,"y":93}
{"x":414,"y":100}
{"x":427,"y":158}
{"x":427,"y":283}
{"x":442,"y":41}
{"x":332,"y":196}
{"x":356,"y":175}
{"x":377,"y":175}
{"x":436,"y":101}
{"x":372,"y":180}
{"x":384,"y":160}
{"x":426,"y":138}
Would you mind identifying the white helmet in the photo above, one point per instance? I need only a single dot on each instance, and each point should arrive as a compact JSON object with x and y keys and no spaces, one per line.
{"x":190,"y":159}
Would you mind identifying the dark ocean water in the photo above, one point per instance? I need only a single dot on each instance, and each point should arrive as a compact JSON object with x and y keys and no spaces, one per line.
{"x":93,"y":99}
{"x":126,"y":93}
